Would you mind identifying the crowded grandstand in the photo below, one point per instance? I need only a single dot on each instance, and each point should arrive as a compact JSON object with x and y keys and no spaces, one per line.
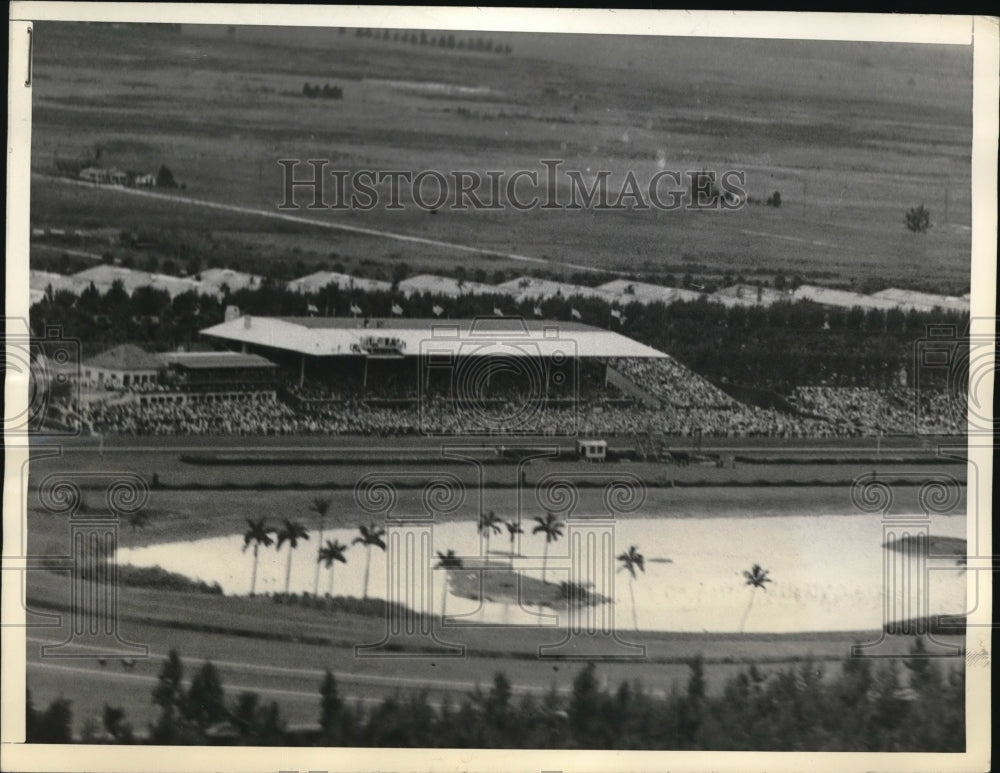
{"x":496,"y":376}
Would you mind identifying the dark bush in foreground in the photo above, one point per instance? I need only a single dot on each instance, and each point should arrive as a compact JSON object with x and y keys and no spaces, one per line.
{"x":916,"y":705}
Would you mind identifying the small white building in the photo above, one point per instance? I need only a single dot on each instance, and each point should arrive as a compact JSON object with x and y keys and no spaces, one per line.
{"x":592,"y":450}
{"x":101,"y":176}
{"x":122,"y":367}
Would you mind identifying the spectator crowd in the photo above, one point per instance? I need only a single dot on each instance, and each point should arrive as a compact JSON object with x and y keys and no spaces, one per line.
{"x":689,"y":406}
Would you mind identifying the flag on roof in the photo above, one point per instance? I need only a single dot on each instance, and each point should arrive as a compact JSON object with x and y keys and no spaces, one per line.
{"x":616,"y":314}
{"x":355,"y":309}
{"x":538,"y":311}
{"x":496,"y":310}
{"x":574,"y":313}
{"x":438,"y":310}
{"x":397,"y":309}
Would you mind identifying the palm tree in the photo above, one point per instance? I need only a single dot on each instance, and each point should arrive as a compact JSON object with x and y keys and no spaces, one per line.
{"x":631,"y":559}
{"x":320,"y":506}
{"x":489,"y":523}
{"x":258,"y":533}
{"x":370,"y":536}
{"x":331,"y":552}
{"x":138,"y":520}
{"x":447,"y":561}
{"x":552,"y":528}
{"x":291,"y":533}
{"x":755,"y":578}
{"x":513,"y":529}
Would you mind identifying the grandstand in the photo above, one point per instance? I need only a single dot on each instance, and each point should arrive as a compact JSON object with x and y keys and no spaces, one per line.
{"x":493,"y":376}
{"x":320,"y":337}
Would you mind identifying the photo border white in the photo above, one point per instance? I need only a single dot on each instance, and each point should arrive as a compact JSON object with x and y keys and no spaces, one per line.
{"x":981,"y":32}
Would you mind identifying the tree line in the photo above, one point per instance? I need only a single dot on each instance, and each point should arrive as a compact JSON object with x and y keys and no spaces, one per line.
{"x":440,"y":40}
{"x":775,"y":347}
{"x":326,"y":91}
{"x":910,"y":705}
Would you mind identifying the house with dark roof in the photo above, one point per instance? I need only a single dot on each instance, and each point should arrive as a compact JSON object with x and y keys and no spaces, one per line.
{"x":122,"y":367}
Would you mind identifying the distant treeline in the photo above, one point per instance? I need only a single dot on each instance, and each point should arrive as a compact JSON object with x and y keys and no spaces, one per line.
{"x":326,"y":91}
{"x":434,"y":38}
{"x":918,"y":706}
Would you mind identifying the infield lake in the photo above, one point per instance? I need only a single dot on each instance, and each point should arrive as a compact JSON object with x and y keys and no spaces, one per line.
{"x":827,"y":572}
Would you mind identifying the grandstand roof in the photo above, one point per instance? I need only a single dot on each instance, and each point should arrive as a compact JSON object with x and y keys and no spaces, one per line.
{"x":124,"y":358}
{"x":317,"y":281}
{"x":216,"y":360}
{"x":510,"y":336}
{"x":911,"y":299}
{"x":444,"y":285}
{"x":628,"y":291}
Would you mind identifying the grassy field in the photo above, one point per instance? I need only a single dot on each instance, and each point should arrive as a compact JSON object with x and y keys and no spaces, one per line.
{"x":850,"y":134}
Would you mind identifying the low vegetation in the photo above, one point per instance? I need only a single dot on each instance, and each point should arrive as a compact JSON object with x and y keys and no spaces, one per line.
{"x":161,"y":579}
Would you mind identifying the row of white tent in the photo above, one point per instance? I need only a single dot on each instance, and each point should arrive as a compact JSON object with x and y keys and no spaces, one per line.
{"x":618,"y":292}
{"x":624,"y":291}
{"x":212,"y":281}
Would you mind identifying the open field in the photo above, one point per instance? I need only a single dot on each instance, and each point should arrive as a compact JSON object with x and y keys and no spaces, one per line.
{"x":850,"y":134}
